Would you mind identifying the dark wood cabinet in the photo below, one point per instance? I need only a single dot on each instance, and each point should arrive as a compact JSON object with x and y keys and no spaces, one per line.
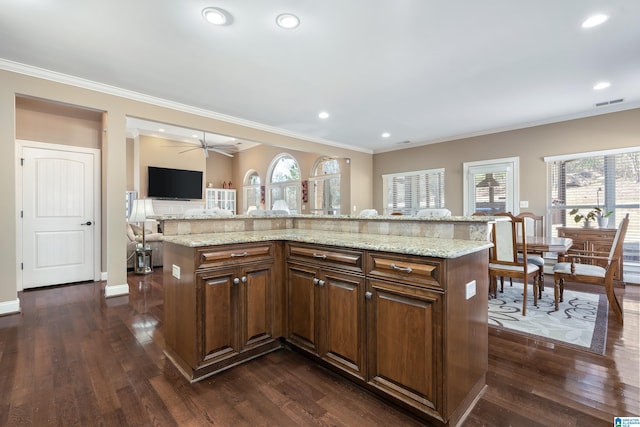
{"x":427,"y":331}
{"x":225,"y":306}
{"x":235,"y":310}
{"x":593,"y":239}
{"x":405,"y":343}
{"x":410,"y":328}
{"x":325,"y":304}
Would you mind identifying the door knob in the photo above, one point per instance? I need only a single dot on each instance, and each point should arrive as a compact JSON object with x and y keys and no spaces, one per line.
{"x":86,"y":223}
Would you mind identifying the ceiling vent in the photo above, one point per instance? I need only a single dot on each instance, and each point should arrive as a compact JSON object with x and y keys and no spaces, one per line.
{"x":613,"y":101}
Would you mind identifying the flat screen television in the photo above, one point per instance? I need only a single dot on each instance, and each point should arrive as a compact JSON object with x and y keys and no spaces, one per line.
{"x":166,"y":183}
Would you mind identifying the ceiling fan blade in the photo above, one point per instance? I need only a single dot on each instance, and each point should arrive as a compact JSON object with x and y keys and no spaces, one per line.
{"x":190,"y":149}
{"x":220,"y":152}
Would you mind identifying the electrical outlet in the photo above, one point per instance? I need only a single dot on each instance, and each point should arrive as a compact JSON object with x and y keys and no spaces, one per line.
{"x":471,"y":289}
{"x":524,"y":203}
{"x":175,"y":271}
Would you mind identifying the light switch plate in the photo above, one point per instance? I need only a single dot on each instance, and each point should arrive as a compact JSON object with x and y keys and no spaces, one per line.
{"x":524,"y":203}
{"x":175,"y":271}
{"x":471,"y":289}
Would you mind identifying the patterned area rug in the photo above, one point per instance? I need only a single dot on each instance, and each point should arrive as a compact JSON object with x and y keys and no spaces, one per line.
{"x":580,"y":322}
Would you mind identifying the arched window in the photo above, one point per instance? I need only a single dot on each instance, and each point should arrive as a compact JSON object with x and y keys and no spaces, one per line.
{"x":284,"y":183}
{"x":251,"y":191}
{"x":325,"y":187}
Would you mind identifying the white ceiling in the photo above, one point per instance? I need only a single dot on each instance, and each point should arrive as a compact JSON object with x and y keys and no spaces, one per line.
{"x":422,"y":70}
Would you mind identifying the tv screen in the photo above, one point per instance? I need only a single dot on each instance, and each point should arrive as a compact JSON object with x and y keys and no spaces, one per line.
{"x":165,"y":183}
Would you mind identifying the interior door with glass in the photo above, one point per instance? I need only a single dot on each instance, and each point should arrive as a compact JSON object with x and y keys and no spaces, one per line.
{"x":491,"y":186}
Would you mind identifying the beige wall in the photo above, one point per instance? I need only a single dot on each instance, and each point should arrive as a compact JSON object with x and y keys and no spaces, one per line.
{"x":41,"y":121}
{"x":115,"y":166}
{"x":531,"y":145}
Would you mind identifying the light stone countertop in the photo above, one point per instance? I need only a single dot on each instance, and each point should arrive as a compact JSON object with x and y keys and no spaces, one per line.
{"x":423,"y":246}
{"x":399,"y":218}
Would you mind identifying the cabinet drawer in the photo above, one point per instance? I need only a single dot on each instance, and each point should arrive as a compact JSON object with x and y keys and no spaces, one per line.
{"x":214,"y":256}
{"x":326,"y":256}
{"x":408,"y":269}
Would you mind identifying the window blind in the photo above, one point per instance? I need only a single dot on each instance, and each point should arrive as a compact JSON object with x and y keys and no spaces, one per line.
{"x":409,"y":192}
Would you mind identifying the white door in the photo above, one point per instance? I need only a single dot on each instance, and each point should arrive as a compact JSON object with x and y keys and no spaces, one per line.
{"x":491,"y":186}
{"x":57,"y":217}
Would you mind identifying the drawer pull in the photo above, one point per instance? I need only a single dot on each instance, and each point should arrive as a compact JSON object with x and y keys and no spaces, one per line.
{"x":236,"y":281}
{"x":368,"y":295}
{"x":320,"y":282}
{"x":316,"y":281}
{"x":243,"y":254}
{"x":403,"y":269}
{"x":321,"y":256}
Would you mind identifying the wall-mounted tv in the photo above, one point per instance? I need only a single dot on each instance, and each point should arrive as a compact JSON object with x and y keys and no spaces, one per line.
{"x":166,"y":183}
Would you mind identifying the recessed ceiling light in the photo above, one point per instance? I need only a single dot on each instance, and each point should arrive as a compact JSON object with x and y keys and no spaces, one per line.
{"x":161,"y":129}
{"x":386,"y":135}
{"x":323,"y":115}
{"x":601,"y":85}
{"x":594,"y":20}
{"x":216,"y":16}
{"x":287,"y":21}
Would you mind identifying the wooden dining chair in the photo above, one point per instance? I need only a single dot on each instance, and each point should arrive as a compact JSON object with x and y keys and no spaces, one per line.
{"x":504,"y":260}
{"x":580,"y":269}
{"x":534,"y":226}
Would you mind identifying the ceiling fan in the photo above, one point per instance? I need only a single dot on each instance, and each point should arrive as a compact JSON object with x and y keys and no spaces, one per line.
{"x":224,"y":149}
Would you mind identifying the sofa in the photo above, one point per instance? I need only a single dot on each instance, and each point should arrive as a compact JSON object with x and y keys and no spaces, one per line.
{"x":153,"y":240}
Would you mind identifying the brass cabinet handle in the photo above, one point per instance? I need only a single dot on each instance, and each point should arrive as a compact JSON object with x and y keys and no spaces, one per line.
{"x":243,"y":254}
{"x":403,"y":269}
{"x":321,"y":256}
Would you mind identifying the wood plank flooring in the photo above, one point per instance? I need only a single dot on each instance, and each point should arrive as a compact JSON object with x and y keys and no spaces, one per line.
{"x":73,"y":358}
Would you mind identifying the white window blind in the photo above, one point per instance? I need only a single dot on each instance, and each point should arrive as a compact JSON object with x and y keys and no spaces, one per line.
{"x":409,"y":192}
{"x":609,"y":180}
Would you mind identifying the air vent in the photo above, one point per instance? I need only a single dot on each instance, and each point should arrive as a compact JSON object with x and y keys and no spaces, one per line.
{"x":613,"y":101}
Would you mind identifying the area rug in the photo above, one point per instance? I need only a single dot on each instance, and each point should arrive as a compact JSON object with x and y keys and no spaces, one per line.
{"x":580,"y":322}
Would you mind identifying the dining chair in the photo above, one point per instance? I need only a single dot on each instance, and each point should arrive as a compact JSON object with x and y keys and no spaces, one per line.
{"x":504,"y":260}
{"x":580,"y":271}
{"x":534,"y":226}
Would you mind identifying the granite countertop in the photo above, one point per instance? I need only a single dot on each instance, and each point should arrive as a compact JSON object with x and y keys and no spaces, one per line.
{"x":423,"y":246}
{"x":478,"y":219}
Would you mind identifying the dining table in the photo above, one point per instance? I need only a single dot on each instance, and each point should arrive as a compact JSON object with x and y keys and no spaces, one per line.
{"x":539,"y":244}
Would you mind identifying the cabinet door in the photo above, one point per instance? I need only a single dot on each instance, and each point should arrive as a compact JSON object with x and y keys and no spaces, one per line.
{"x":256,"y":311}
{"x":343,"y":342}
{"x":302,"y":307}
{"x":218,"y":315}
{"x":405,"y":343}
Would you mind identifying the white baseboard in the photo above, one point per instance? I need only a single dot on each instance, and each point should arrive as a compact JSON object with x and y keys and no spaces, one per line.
{"x":10,"y":307}
{"x":116,"y":290}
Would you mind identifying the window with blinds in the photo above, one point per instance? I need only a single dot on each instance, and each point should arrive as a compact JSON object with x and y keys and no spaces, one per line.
{"x":409,"y":192}
{"x":609,"y":180}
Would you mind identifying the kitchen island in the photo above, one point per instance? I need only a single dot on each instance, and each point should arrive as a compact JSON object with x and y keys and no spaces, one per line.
{"x":402,"y":314}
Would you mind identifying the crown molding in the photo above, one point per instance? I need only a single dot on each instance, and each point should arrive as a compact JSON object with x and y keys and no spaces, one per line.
{"x":57,"y":77}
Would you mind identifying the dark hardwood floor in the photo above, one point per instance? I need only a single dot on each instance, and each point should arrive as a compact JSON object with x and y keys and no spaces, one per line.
{"x":73,"y":358}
